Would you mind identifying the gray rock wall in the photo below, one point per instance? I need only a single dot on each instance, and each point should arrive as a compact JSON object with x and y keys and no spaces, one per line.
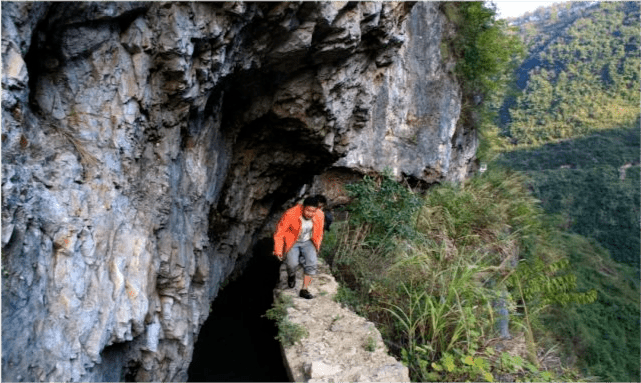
{"x":146,"y":145}
{"x":415,"y":105}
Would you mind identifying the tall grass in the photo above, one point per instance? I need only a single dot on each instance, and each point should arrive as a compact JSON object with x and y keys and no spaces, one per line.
{"x":430,"y":273}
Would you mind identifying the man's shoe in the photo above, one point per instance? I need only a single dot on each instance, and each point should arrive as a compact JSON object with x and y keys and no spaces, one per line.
{"x":306,"y":294}
{"x":291,"y":281}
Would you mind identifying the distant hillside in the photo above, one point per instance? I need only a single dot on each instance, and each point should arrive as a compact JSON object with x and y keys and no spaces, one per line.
{"x":593,"y":183}
{"x":544,"y":24}
{"x":570,"y":122}
{"x":581,"y":74}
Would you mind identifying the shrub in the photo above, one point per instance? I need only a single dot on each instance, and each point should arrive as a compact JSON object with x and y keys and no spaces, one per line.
{"x":384,"y":207}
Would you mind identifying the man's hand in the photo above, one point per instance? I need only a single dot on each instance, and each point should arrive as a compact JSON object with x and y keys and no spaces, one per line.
{"x":279,"y":256}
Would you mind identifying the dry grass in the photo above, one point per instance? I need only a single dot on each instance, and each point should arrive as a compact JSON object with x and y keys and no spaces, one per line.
{"x":86,"y":158}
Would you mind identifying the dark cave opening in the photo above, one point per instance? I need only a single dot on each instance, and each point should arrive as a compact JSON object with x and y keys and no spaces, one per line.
{"x":236,"y":343}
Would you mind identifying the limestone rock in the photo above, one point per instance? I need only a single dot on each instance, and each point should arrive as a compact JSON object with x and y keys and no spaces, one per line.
{"x":317,"y":370}
{"x":147,"y":146}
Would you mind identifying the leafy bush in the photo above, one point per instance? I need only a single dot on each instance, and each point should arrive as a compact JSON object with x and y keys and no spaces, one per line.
{"x":385,"y":207}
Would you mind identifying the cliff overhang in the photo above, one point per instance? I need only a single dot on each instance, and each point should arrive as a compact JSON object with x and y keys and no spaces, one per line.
{"x":147,"y":146}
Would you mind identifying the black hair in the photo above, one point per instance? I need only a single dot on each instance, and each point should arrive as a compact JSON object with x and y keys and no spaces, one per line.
{"x":321,"y":199}
{"x":310,"y":201}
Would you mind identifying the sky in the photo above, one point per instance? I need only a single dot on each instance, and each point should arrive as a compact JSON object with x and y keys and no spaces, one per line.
{"x":517,"y":8}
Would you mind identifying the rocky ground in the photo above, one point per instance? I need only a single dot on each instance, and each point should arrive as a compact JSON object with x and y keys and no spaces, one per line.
{"x":341,"y":346}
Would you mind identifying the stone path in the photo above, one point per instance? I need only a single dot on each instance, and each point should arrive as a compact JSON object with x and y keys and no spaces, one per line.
{"x":341,"y":345}
{"x":623,"y":169}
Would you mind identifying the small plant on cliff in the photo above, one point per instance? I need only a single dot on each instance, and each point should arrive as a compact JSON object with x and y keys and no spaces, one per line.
{"x":288,"y":333}
{"x":370,"y":344}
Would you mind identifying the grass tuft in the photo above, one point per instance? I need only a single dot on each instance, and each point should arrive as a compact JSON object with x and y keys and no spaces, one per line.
{"x":288,"y":333}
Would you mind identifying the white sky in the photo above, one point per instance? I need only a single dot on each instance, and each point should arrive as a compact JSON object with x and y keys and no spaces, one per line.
{"x":517,"y":8}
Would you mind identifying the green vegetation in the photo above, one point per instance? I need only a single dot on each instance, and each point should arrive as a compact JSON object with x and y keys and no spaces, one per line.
{"x":602,"y":337}
{"x":485,"y":48}
{"x":288,"y":333}
{"x":540,"y":240}
{"x":390,"y":210}
{"x":486,"y":51}
{"x":370,"y":345}
{"x":587,"y":78}
{"x":575,"y":135}
{"x":593,"y":183}
{"x":429,"y":274}
{"x":345,"y":295}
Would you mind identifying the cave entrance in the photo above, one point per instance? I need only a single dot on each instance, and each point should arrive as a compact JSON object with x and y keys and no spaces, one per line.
{"x":236,"y":343}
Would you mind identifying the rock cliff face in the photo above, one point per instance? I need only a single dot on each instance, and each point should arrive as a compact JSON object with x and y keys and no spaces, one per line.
{"x":147,"y":146}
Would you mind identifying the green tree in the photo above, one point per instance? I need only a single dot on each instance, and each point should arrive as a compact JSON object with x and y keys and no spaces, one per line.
{"x":485,"y":47}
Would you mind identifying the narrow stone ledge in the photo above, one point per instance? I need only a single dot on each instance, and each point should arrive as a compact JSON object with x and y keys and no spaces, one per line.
{"x":341,"y":345}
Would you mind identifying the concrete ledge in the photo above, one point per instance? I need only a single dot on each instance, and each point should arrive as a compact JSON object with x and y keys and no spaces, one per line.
{"x":341,"y":345}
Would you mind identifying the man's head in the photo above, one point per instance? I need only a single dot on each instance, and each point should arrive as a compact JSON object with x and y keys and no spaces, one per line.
{"x":310,"y":204}
{"x":321,"y":200}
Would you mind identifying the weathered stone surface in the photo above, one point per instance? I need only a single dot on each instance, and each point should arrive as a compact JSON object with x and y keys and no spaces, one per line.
{"x":147,"y":146}
{"x":341,"y":346}
{"x":409,"y":115}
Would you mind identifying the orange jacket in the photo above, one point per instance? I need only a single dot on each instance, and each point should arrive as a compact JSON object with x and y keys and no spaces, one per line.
{"x":289,"y":226}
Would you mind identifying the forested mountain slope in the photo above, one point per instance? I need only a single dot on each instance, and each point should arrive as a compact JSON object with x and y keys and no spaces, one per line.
{"x":570,"y":122}
{"x":585,"y":81}
{"x":581,"y":74}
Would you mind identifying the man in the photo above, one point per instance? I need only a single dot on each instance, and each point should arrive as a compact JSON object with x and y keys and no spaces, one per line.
{"x":322,"y":203}
{"x":299,"y":235}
